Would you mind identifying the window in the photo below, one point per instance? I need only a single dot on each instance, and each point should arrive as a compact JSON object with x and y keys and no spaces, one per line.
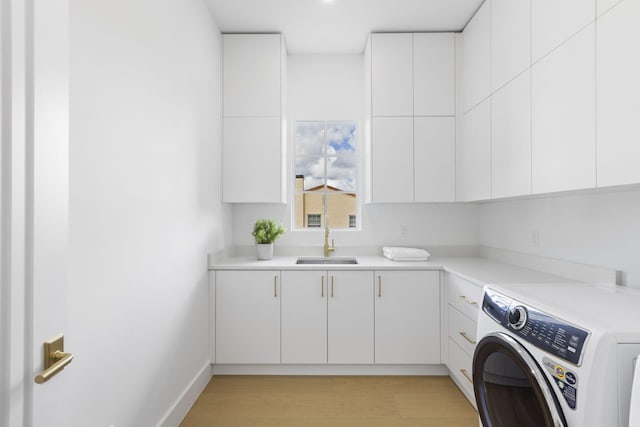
{"x":325,"y":174}
{"x":314,"y":220}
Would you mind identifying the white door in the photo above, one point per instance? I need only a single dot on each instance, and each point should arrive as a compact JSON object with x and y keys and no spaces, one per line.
{"x":34,"y":215}
{"x":304,"y":317}
{"x":407,"y":317}
{"x":247,"y":316}
{"x":350,"y":330}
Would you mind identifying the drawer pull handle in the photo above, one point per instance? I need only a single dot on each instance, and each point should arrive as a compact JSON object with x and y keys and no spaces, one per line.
{"x":466,"y":337}
{"x":331,"y":286}
{"x":379,"y":287}
{"x":464,"y":298}
{"x":275,"y":286}
{"x":322,"y":288}
{"x":466,"y":375}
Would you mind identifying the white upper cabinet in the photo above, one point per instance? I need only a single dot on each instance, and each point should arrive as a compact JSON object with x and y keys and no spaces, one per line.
{"x":475,"y":154}
{"x":392,"y":160}
{"x":555,"y":21}
{"x":392,"y":74}
{"x":511,"y":138}
{"x":563,"y":116}
{"x":252,"y":160}
{"x":619,"y":95}
{"x":254,"y":149}
{"x":434,"y":154}
{"x":434,"y":85}
{"x":410,"y":78}
{"x":477,"y":57}
{"x":252,"y":75}
{"x":510,"y":40}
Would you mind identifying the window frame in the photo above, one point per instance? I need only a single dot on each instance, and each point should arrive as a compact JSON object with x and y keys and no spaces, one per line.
{"x":359,"y":165}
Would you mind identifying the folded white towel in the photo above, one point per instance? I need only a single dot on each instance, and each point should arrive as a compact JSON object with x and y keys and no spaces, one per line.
{"x":396,"y":253}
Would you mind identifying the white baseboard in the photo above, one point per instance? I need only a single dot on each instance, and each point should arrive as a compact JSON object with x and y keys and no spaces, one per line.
{"x":330,"y":370}
{"x":181,"y":407}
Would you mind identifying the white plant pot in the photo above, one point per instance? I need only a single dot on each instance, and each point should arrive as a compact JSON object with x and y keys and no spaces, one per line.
{"x":264,"y":251}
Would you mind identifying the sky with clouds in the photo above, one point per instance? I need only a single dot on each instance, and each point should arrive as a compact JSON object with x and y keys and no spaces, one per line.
{"x":338,"y":142}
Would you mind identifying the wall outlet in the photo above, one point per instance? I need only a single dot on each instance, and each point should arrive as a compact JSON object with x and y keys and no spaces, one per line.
{"x":535,"y":238}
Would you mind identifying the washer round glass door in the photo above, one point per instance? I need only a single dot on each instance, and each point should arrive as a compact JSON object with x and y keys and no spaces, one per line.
{"x":510,"y":388}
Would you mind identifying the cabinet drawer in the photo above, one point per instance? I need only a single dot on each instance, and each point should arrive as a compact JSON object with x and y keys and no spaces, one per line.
{"x":460,"y":365}
{"x":462,"y":330}
{"x":464,"y":295}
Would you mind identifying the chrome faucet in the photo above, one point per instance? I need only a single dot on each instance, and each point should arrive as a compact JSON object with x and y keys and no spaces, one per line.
{"x":328,"y":248}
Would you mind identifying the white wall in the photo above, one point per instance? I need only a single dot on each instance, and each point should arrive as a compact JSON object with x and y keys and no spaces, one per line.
{"x":330,"y":87}
{"x":422,"y":225}
{"x":144,"y":204}
{"x":596,"y":228}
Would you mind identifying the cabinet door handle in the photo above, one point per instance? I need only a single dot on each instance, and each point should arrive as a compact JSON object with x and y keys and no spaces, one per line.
{"x":331,"y":286}
{"x":466,"y":375}
{"x":465,"y":299}
{"x":275,"y":286}
{"x":379,"y":287}
{"x":466,"y":337}
{"x":322,"y":288}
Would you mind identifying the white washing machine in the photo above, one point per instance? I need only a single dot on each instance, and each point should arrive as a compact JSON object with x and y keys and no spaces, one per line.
{"x":558,"y":355}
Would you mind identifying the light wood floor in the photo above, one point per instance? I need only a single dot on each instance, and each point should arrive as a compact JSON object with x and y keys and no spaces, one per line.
{"x":331,"y":401}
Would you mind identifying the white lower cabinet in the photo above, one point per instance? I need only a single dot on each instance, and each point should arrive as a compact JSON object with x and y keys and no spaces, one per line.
{"x":350,"y":317}
{"x":407,"y":317}
{"x":304,"y":317}
{"x":327,"y":317}
{"x":317,"y":317}
{"x":247,"y":317}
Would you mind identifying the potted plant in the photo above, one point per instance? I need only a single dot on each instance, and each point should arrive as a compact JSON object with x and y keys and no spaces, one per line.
{"x":265,"y":232}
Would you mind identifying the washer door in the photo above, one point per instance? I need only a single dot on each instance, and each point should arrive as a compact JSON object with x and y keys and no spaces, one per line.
{"x":510,"y":388}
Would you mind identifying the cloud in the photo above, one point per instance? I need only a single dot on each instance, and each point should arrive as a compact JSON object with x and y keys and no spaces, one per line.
{"x":339,"y":140}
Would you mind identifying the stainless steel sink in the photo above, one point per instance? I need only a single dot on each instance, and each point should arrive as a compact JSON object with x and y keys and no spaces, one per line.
{"x":340,"y":261}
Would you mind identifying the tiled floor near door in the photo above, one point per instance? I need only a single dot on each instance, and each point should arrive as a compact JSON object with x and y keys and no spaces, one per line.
{"x":331,"y":401}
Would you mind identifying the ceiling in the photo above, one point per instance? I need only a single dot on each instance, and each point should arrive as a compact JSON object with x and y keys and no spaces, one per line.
{"x":339,"y":26}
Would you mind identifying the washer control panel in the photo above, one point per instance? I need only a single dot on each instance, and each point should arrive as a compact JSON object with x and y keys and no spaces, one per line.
{"x":546,"y":332}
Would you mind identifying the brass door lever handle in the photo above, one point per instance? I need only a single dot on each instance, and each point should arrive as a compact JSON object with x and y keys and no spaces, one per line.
{"x":55,"y":359}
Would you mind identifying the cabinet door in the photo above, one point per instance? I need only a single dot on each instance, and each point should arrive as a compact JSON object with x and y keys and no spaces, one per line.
{"x":510,"y":40}
{"x":563,"y":116}
{"x":247,"y":317}
{"x":392,"y":74}
{"x":252,"y":75}
{"x":434,"y":75}
{"x":304,"y":316}
{"x":252,"y":160}
{"x":350,"y":317}
{"x":555,"y":21}
{"x":477,"y":57}
{"x":511,"y":138}
{"x":392,"y":160}
{"x":475,"y":154}
{"x":618,"y":95}
{"x":435,"y":159}
{"x":407,"y":317}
